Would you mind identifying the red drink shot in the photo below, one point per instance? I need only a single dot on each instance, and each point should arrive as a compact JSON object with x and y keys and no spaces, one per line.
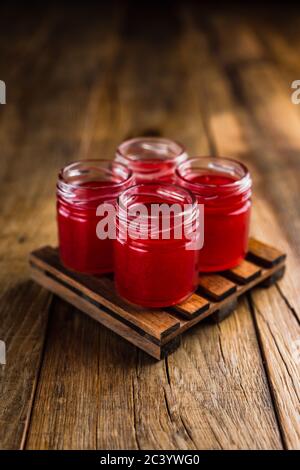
{"x":151,"y":159}
{"x":224,"y":187}
{"x":82,"y":186}
{"x":157,"y":271}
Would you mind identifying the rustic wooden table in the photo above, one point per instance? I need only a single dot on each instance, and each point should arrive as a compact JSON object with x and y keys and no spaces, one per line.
{"x":78,"y":82}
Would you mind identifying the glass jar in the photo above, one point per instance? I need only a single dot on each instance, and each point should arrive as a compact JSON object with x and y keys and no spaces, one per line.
{"x":151,"y":159}
{"x":223,"y":186}
{"x":82,"y":186}
{"x":155,"y":256}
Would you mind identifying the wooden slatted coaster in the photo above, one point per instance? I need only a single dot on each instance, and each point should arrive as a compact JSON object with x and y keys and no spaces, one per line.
{"x":157,"y":331}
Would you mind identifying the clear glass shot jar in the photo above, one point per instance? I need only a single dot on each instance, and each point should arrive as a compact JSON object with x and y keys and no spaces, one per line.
{"x":223,"y":186}
{"x":151,"y":159}
{"x":81,"y":187}
{"x":155,"y":255}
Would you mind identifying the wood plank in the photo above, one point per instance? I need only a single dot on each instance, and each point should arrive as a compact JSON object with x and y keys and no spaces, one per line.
{"x":73,"y":368}
{"x":243,"y":273}
{"x":195,"y":305}
{"x":279,"y":346}
{"x":24,"y":307}
{"x":257,"y":113}
{"x":215,"y":287}
{"x":263,"y":254}
{"x":217,"y":388}
{"x":24,"y":311}
{"x":279,"y":335}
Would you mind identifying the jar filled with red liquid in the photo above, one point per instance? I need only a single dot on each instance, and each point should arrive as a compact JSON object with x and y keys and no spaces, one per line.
{"x":223,"y":185}
{"x":156,"y":263}
{"x":82,"y":186}
{"x":151,"y":158}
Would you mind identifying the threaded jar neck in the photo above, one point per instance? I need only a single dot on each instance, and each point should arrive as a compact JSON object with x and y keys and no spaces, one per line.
{"x":150,"y":157}
{"x":89,"y":182}
{"x":215,"y":180}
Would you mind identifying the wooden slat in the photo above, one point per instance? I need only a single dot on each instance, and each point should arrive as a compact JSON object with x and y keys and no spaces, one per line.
{"x":263,"y":254}
{"x":215,"y":287}
{"x":195,"y":305}
{"x":244,"y":272}
{"x":102,"y":291}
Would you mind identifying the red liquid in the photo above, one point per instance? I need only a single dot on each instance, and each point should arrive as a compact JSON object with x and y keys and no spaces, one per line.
{"x":226,"y":222}
{"x":155,"y":272}
{"x":211,"y":179}
{"x":153,"y":170}
{"x":80,"y":248}
{"x":151,"y":159}
{"x":151,"y":277}
{"x":82,"y":187}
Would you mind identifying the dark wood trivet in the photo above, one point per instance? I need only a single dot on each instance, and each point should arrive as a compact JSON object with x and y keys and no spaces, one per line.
{"x":157,"y":331}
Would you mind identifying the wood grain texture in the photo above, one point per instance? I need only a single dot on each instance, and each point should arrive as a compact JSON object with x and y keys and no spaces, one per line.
{"x":154,"y":427}
{"x":155,"y":323}
{"x":30,"y":156}
{"x":152,"y":330}
{"x":97,"y":312}
{"x":215,"y":287}
{"x":23,"y":307}
{"x":264,"y":254}
{"x":256,"y":113}
{"x":244,"y":272}
{"x":194,"y":305}
{"x":79,"y":81}
{"x":24,"y":310}
{"x":216,"y":385}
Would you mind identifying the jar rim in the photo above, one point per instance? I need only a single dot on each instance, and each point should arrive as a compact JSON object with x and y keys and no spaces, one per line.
{"x":154,"y":140}
{"x":62,"y":180}
{"x":188,"y":213}
{"x":228,"y":185}
{"x":149,"y":186}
